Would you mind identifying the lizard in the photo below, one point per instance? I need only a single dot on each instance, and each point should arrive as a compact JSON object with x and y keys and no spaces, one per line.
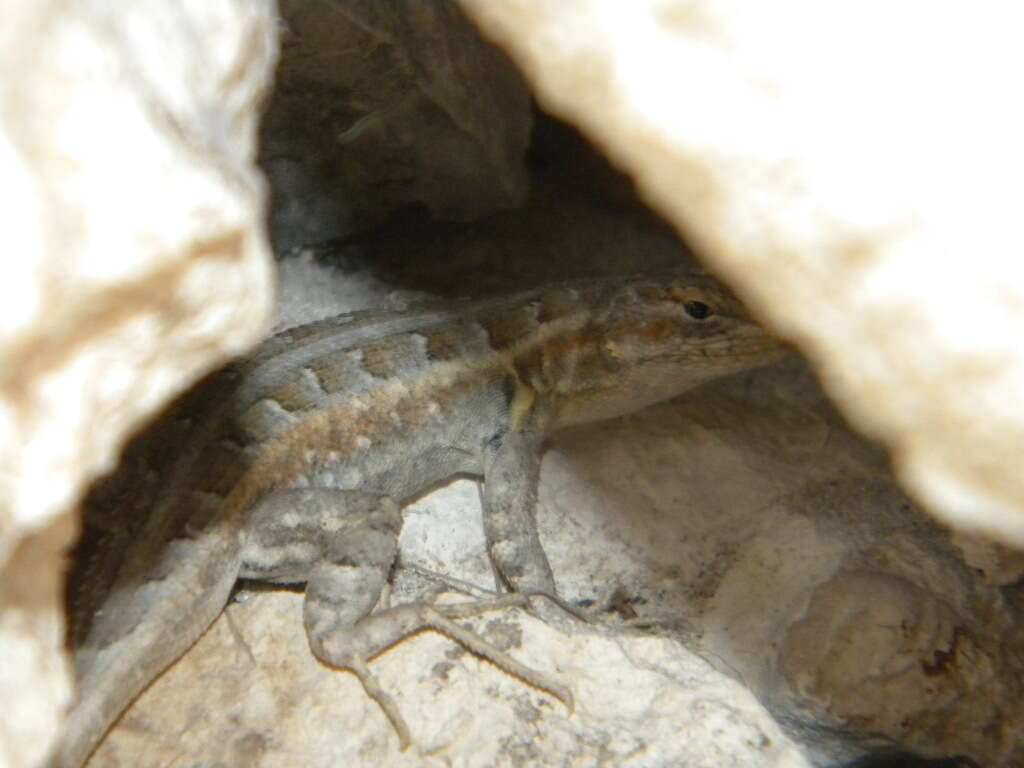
{"x":292,"y":465}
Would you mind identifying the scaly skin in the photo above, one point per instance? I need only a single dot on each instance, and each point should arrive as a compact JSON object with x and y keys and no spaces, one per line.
{"x":293,"y":464}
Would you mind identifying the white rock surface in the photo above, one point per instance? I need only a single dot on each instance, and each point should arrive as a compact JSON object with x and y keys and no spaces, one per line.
{"x":265,"y":701}
{"x":853,"y":177}
{"x":134,"y":261}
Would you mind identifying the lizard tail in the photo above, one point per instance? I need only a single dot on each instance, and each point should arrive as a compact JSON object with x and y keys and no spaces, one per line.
{"x":153,"y":623}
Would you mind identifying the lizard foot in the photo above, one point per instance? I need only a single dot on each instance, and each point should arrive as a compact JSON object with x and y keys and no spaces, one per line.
{"x":352,"y":647}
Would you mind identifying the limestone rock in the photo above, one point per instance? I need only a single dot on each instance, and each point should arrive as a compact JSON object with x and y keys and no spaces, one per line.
{"x":746,"y":520}
{"x":134,"y":262}
{"x":852,"y":179}
{"x":250,"y":694}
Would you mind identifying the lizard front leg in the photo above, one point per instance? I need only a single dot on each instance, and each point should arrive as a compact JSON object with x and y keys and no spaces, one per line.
{"x":343,"y":544}
{"x":511,"y":463}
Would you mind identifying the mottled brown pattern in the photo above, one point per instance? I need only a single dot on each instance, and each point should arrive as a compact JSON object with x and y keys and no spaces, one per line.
{"x":284,"y":460}
{"x":337,"y":372}
{"x":386,"y":358}
{"x":654,"y":332}
{"x":232,"y":432}
{"x":340,"y":428}
{"x":445,"y":342}
{"x":570,"y":345}
{"x":264,"y":420}
{"x":557,"y":304}
{"x":219,"y":468}
{"x":295,"y":394}
{"x":510,"y":325}
{"x":650,"y":292}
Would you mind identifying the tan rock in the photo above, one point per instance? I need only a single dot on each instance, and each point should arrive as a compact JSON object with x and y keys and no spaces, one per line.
{"x":853,"y":180}
{"x":134,"y":262}
{"x":250,"y":694}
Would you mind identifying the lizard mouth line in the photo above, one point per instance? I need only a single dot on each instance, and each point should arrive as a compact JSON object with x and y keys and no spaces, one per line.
{"x":750,"y":347}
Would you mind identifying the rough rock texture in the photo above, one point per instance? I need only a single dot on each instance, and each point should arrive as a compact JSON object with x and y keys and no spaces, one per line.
{"x":265,"y":701}
{"x":134,"y":261}
{"x":853,"y":178}
{"x":762,"y":533}
{"x":380,"y":106}
{"x":743,"y":523}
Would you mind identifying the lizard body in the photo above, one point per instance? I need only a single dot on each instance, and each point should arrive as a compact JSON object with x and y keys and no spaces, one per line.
{"x":292,"y":464}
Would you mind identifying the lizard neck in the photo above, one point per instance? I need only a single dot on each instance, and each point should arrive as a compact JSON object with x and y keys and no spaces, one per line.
{"x":608,"y":368}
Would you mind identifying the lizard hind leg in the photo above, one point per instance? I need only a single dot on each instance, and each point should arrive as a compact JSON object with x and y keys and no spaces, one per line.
{"x":343,"y":544}
{"x":351,"y":646}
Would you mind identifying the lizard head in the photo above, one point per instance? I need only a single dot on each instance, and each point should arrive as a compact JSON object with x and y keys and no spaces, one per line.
{"x":659,"y":336}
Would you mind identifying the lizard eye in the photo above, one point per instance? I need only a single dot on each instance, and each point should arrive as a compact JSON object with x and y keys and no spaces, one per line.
{"x":698,"y":310}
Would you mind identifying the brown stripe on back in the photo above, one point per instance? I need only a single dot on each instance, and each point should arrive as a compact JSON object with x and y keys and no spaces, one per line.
{"x":342,"y":372}
{"x":546,"y":366}
{"x":295,"y":454}
{"x":264,"y":420}
{"x":233,"y":432}
{"x":392,"y":356}
{"x":454,"y":341}
{"x":557,"y":303}
{"x":298,"y":393}
{"x":220,"y":466}
{"x":507,"y":326}
{"x":337,"y":430}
